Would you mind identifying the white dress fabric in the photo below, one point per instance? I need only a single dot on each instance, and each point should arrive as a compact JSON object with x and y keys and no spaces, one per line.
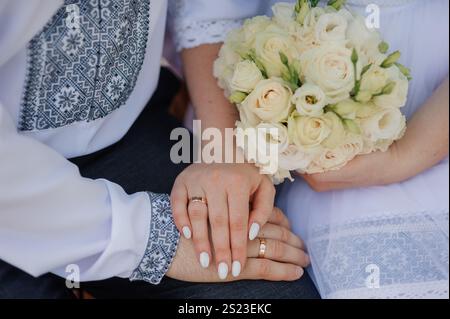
{"x":388,"y":241}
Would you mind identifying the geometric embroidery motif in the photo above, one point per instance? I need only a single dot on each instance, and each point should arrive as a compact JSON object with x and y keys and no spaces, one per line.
{"x":83,"y":73}
{"x":162,"y":243}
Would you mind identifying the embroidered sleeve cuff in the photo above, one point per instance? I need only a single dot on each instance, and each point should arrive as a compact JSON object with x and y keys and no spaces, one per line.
{"x":162,"y":243}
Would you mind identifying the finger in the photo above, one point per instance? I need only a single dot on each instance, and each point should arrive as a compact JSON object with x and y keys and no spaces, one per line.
{"x":272,"y":231}
{"x":262,"y":207}
{"x":278,"y":251}
{"x":238,"y":207}
{"x":179,"y":203}
{"x":279,"y":218}
{"x":198,"y":215}
{"x":265,"y":269}
{"x":218,"y":219}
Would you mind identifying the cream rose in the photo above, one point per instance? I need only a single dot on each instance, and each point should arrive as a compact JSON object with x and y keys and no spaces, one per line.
{"x":308,"y":133}
{"x":331,"y":27}
{"x":269,"y":44}
{"x":294,"y":158}
{"x":280,"y":176}
{"x":398,"y":97}
{"x":224,"y":67}
{"x":335,"y":159}
{"x":245,"y":77}
{"x":309,"y":100}
{"x":270,"y":101}
{"x":337,"y":129}
{"x":329,"y":67}
{"x":253,"y":27}
{"x":283,"y":14}
{"x":374,"y":80}
{"x":388,"y":124}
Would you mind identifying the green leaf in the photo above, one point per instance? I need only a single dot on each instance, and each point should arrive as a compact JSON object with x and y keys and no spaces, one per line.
{"x":314,"y":3}
{"x":405,"y":71}
{"x":237,"y":97}
{"x":284,"y":59}
{"x":365,"y":69}
{"x":391,"y":59}
{"x":337,"y":4}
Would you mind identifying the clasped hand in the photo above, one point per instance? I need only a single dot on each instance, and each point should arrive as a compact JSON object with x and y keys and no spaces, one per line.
{"x":237,"y":208}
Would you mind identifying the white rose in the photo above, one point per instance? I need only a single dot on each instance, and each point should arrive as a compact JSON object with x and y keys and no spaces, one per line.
{"x":294,"y":158}
{"x":224,"y":67}
{"x":374,"y":80}
{"x":309,"y":100}
{"x":365,"y":41}
{"x":331,"y":27}
{"x":269,"y":44}
{"x":280,"y":176}
{"x":270,"y":101}
{"x":388,"y":124}
{"x":305,"y":39}
{"x":337,"y":134}
{"x":263,"y":144}
{"x":398,"y":97}
{"x":308,"y":133}
{"x":252,"y":27}
{"x":329,"y":67}
{"x":245,"y":77}
{"x":283,"y":14}
{"x":313,"y":16}
{"x":335,"y":159}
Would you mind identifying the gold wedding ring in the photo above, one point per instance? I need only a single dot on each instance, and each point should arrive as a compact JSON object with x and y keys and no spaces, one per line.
{"x":262,"y":248}
{"x":197,"y":199}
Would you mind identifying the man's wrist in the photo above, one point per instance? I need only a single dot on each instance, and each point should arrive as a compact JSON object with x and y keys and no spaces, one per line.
{"x":162,"y":242}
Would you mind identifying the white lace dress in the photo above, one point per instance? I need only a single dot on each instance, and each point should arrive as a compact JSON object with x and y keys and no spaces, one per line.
{"x":390,"y":241}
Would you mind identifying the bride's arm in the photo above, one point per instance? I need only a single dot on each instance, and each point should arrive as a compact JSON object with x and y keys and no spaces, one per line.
{"x":425,"y":144}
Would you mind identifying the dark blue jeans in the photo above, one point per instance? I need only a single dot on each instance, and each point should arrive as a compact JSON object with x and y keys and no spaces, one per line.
{"x":140,"y":162}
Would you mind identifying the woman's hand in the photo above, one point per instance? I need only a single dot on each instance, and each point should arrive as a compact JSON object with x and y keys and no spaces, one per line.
{"x":228,"y":190}
{"x":363,"y":171}
{"x":284,"y":259}
{"x":424,"y":145}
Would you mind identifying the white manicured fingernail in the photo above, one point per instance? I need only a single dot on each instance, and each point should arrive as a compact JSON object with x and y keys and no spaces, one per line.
{"x":204,"y":259}
{"x":254,"y":230}
{"x":223,"y":271}
{"x":187,"y":232}
{"x":236,"y":268}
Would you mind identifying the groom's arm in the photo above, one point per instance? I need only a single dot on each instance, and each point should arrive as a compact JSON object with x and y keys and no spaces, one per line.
{"x":51,"y":217}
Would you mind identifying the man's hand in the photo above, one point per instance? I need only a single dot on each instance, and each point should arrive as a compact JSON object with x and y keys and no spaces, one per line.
{"x":284,"y":259}
{"x":228,"y":190}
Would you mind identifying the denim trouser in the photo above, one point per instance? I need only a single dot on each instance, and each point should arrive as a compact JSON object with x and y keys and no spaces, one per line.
{"x":140,"y":162}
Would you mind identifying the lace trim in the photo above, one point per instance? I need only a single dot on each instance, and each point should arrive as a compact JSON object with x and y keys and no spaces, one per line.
{"x":196,"y":33}
{"x":400,"y":250}
{"x":385,"y":3}
{"x":427,"y":290}
{"x":162,"y":242}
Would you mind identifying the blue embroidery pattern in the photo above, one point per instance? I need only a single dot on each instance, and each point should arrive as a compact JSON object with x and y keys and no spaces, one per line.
{"x":83,"y":73}
{"x":412,"y":249}
{"x":162,"y":243}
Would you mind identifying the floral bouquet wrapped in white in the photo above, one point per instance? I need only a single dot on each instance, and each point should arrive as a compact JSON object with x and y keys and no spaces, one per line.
{"x":321,"y":78}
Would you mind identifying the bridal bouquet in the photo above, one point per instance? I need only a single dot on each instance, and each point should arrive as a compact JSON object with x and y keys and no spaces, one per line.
{"x":318,"y":76}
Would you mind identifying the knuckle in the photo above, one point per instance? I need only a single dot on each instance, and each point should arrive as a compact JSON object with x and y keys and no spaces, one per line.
{"x":285,"y":235}
{"x":278,"y":249}
{"x":237,"y":226}
{"x":264,"y":268}
{"x":218,"y":220}
{"x":196,"y":213}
